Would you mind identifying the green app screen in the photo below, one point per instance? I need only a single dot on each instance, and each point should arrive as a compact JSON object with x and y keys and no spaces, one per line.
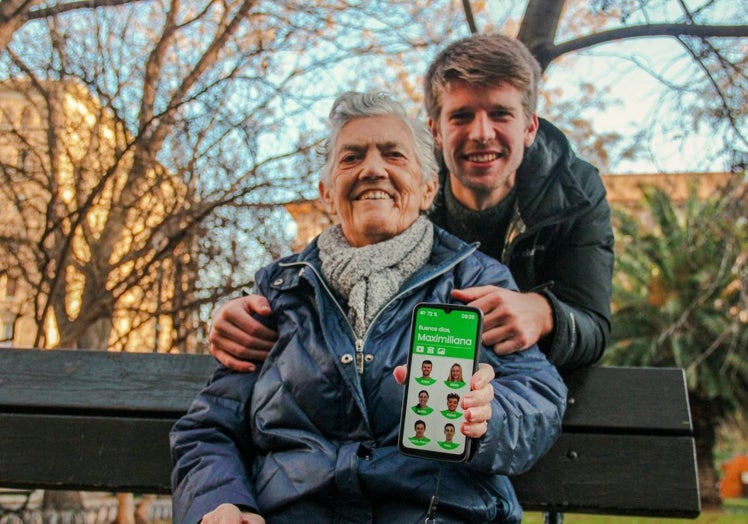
{"x":442,"y":349}
{"x":445,"y":333}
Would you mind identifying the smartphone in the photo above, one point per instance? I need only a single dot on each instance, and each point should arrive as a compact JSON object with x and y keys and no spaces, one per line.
{"x":443,"y":355}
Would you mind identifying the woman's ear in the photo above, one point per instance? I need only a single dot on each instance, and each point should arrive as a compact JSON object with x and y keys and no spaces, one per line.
{"x":432,"y":186}
{"x":326,"y":196}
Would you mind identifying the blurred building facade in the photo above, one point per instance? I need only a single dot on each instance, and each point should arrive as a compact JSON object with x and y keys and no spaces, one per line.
{"x":56,"y":143}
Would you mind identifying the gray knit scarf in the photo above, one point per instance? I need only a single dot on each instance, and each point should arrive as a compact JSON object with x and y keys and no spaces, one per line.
{"x":368,"y":277}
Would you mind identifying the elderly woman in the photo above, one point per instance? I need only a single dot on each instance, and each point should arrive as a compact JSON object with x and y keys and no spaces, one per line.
{"x":312,"y":436}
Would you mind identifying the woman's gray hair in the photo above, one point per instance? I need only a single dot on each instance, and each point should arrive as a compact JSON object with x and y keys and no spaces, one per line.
{"x":351,"y":105}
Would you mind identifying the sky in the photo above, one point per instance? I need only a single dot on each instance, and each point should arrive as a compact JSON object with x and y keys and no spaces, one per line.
{"x":639,"y":96}
{"x":641,"y":103}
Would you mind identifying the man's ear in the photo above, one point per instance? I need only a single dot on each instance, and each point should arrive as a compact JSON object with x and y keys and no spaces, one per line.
{"x":435,"y":132}
{"x":326,"y":196}
{"x":532,"y":130}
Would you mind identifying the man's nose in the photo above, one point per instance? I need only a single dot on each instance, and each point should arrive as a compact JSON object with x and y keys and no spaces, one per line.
{"x":481,"y":128}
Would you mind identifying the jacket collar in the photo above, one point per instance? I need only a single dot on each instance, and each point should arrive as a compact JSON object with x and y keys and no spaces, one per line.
{"x":546,"y":183}
{"x":447,"y":251}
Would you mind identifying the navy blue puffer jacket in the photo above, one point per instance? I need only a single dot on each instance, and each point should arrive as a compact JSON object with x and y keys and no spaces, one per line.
{"x":310,"y":439}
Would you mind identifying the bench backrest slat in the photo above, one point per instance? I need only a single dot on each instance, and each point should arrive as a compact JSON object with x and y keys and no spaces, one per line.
{"x":101,"y":380}
{"x":604,"y":473}
{"x":645,"y":399}
{"x":85,"y":452}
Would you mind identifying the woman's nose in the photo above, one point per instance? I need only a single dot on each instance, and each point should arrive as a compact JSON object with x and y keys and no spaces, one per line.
{"x":374,"y":166}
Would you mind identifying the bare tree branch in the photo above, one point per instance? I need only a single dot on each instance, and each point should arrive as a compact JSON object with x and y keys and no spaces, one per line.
{"x":469,"y":17}
{"x":539,"y":27}
{"x":73,"y":6}
{"x":15,"y":13}
{"x":551,"y":52}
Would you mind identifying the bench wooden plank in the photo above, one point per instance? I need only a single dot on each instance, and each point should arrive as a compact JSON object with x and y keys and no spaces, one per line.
{"x":651,"y":400}
{"x":121,"y":454}
{"x":595,"y":473}
{"x":86,"y":453}
{"x":101,"y":380}
{"x":646,"y":399}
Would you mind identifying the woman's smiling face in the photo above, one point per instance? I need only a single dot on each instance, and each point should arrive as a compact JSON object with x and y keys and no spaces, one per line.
{"x":376,"y":185}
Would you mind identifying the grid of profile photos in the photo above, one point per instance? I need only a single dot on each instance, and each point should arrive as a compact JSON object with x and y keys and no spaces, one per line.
{"x":433,"y":412}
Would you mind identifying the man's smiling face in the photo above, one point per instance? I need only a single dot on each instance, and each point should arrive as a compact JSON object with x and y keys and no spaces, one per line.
{"x":482,"y":133}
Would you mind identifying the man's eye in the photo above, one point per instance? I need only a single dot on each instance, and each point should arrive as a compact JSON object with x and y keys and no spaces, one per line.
{"x":347,"y":159}
{"x":462,"y":117}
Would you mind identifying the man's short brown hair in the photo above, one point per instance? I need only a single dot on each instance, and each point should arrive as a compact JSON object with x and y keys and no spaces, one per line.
{"x":483,"y":60}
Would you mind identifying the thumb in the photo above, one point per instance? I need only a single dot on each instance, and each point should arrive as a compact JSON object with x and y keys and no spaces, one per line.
{"x":400,"y":373}
{"x":257,"y":304}
{"x":466,"y":295}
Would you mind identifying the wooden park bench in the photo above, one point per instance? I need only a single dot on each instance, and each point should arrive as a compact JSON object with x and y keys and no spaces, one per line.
{"x":99,"y":421}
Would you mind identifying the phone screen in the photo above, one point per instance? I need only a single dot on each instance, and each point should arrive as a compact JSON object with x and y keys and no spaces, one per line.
{"x":443,"y":355}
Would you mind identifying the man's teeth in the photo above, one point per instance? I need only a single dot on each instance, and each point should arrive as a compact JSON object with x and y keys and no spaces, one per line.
{"x":483,"y":157}
{"x":374,"y":195}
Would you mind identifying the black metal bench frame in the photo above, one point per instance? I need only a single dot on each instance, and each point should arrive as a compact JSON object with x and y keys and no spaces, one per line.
{"x":99,"y":421}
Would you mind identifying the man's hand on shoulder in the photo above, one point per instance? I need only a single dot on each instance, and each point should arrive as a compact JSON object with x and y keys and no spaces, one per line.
{"x":237,"y":340}
{"x":512,"y":321}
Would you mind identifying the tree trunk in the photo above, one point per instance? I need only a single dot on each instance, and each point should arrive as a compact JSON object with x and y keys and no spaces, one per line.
{"x":539,"y":27}
{"x":705,"y":420}
{"x":96,"y":335}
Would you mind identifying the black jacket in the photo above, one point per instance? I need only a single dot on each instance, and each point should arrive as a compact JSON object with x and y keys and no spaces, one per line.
{"x":560,"y":243}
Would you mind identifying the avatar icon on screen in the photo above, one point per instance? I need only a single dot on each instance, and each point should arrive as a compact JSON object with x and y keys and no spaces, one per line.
{"x":449,"y":434}
{"x":453,"y":402}
{"x":422,"y":408}
{"x":455,"y":380}
{"x":426,"y":379}
{"x":419,"y":439}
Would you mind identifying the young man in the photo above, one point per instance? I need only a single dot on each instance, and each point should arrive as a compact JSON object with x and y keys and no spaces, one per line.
{"x":512,"y":183}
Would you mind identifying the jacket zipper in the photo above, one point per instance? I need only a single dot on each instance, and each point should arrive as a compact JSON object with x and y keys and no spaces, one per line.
{"x":360,"y":356}
{"x":516,"y":228}
{"x":359,"y":342}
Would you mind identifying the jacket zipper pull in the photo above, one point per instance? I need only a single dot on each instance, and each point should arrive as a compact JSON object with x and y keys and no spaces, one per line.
{"x":516,"y":228}
{"x":360,"y":356}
